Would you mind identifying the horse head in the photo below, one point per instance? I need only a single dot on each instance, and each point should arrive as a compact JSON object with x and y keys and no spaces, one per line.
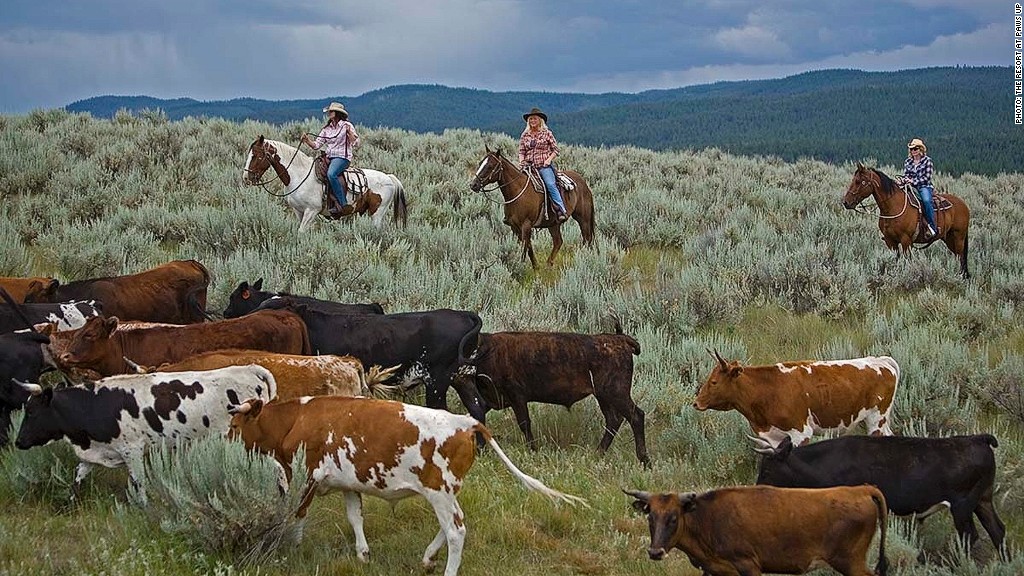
{"x":864,"y":183}
{"x":488,"y":171}
{"x":261,"y":154}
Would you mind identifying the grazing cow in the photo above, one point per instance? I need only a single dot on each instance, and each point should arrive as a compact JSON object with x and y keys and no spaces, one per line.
{"x":378,"y":447}
{"x":174,"y":292}
{"x":22,"y":358}
{"x":296,"y":375}
{"x":112,"y":423}
{"x":65,"y":316}
{"x":98,"y":346}
{"x":428,"y":346}
{"x":27,"y":288}
{"x":917,"y":475}
{"x":510,"y":369}
{"x":796,"y":399}
{"x":246,"y":299}
{"x":749,"y":530}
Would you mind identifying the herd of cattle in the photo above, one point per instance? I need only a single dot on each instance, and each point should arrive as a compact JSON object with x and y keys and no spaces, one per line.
{"x":280,"y":371}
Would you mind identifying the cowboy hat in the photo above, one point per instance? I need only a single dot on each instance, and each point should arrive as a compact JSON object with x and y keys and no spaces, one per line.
{"x":337,"y":107}
{"x":917,"y":143}
{"x":536,"y":112}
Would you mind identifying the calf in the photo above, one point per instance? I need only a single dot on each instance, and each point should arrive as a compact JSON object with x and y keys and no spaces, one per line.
{"x":246,"y":299}
{"x":99,"y":346}
{"x":27,"y":289}
{"x":754,"y":529}
{"x":174,"y":292}
{"x":387,"y":449}
{"x":917,"y":475}
{"x":796,"y":399}
{"x":296,"y":375}
{"x":510,"y":369}
{"x":112,"y":423}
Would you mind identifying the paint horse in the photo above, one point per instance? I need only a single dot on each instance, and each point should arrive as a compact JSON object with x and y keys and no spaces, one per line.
{"x":524,"y":207}
{"x":305,"y":195}
{"x":899,"y":218}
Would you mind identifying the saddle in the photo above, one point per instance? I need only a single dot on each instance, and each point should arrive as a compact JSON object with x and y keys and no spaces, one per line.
{"x":939,"y":203}
{"x":352,"y":180}
{"x":565,"y":186}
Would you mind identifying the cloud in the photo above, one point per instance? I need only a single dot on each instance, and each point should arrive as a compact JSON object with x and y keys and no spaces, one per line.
{"x":752,"y":41}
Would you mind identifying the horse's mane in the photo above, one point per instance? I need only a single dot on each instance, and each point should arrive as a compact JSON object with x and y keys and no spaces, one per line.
{"x":887,"y":183}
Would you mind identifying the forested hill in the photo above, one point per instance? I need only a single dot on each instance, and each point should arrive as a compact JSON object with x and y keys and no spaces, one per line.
{"x":964,"y":114}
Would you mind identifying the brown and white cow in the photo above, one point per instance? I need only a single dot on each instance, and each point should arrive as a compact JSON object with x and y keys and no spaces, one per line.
{"x":101,"y":347}
{"x":754,"y":529}
{"x":174,"y":292}
{"x":378,"y":447}
{"x":297,"y":375}
{"x":797,"y":399}
{"x":27,"y":289}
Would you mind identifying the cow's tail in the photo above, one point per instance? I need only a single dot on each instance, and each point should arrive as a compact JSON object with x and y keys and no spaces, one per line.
{"x":619,"y":332}
{"x":373,"y":382}
{"x":991,"y":440}
{"x":473,"y":333}
{"x":399,"y":208}
{"x":882,"y":568}
{"x":195,"y":307}
{"x":530,"y":482}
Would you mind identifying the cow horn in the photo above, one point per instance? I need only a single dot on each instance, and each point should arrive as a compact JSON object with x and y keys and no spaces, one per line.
{"x":639,"y":495}
{"x":138,"y":369}
{"x":721,"y":361}
{"x":33,"y":389}
{"x":759,"y":442}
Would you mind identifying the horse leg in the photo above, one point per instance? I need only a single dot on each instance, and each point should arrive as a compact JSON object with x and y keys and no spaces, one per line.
{"x":957,"y":244}
{"x":524,"y":233}
{"x":307,"y":218}
{"x":556,"y":242}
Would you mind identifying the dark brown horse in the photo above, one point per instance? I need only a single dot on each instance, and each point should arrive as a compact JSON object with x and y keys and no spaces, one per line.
{"x":900,"y":220}
{"x":524,"y":206}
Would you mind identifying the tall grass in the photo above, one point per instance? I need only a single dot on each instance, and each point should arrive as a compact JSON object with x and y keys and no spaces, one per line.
{"x":697,"y":249}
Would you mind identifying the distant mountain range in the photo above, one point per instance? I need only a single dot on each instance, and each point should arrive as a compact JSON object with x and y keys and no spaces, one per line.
{"x":964,"y":114}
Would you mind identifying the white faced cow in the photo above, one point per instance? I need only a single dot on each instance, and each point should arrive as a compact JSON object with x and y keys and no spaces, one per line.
{"x":114,"y":422}
{"x":797,"y":399}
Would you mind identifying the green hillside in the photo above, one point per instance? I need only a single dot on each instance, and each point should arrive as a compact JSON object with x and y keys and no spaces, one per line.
{"x":964,"y":114}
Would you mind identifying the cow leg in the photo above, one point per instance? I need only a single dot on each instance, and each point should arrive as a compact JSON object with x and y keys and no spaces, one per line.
{"x":307,"y":498}
{"x":962,"y":520}
{"x":990,"y":521}
{"x":453,"y":528}
{"x":522,"y":413}
{"x":636,"y":423}
{"x":354,"y":511}
{"x":83,"y":470}
{"x":612,"y":422}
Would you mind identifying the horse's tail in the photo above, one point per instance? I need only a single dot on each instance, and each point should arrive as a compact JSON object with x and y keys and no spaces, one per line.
{"x":593,"y":221}
{"x":400,"y":208}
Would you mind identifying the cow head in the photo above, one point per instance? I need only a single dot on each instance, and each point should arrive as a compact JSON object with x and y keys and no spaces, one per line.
{"x":243,"y":421}
{"x":41,"y":291}
{"x":40,"y":424}
{"x":774,"y":466}
{"x":665,"y":515}
{"x":90,"y":345}
{"x":244,"y":299}
{"x":718,"y":390}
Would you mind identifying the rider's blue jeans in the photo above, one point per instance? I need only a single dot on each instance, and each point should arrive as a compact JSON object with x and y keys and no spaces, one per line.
{"x":335,"y":169}
{"x":547,"y":173}
{"x":929,"y":208}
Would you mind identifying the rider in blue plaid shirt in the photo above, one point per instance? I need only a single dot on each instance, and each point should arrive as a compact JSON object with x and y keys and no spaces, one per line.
{"x":917,"y":169}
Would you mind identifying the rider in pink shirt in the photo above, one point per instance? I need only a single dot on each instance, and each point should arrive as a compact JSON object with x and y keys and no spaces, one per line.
{"x":339,"y":135}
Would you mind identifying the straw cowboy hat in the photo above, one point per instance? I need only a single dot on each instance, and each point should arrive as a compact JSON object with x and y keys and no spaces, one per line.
{"x":536,"y":112}
{"x":337,"y":107}
{"x":917,"y":143}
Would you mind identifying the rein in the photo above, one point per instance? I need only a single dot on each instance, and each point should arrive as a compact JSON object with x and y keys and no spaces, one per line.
{"x":500,"y":187}
{"x":263,"y":184}
{"x":906,"y":202}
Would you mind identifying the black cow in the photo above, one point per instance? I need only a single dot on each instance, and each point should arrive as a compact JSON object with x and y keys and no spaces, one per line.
{"x":428,"y":346}
{"x":917,"y":475}
{"x":246,"y":299}
{"x":67,"y":316}
{"x":510,"y":369}
{"x":21,"y":358}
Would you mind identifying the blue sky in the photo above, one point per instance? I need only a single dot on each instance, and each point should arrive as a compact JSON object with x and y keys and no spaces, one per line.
{"x":52,"y":54}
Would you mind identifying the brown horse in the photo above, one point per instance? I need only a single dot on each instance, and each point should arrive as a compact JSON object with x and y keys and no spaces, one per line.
{"x":524,"y":206}
{"x":899,"y":220}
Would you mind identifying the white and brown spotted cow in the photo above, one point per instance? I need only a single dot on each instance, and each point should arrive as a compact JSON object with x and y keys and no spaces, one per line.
{"x":113,"y":423}
{"x":797,"y":399}
{"x":378,"y":447}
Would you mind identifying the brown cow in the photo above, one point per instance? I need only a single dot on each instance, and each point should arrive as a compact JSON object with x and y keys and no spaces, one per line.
{"x":174,"y":292}
{"x":796,"y":399}
{"x":379,"y":447}
{"x":100,"y":347}
{"x":749,"y":530}
{"x":27,"y":289}
{"x":296,"y":375}
{"x":510,"y":369}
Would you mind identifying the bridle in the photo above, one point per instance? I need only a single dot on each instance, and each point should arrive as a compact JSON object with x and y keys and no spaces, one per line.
{"x":494,"y":175}
{"x":265,"y":152}
{"x":906,"y":202}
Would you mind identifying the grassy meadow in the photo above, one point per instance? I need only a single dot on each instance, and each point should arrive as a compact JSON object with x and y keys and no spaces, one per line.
{"x":754,"y":257}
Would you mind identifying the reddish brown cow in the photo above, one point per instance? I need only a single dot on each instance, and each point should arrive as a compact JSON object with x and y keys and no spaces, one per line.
{"x":100,"y":347}
{"x":749,"y":530}
{"x":297,"y":375}
{"x":174,"y":292}
{"x":27,"y":289}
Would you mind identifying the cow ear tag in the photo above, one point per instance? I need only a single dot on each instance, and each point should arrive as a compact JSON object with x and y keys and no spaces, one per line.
{"x":245,"y":294}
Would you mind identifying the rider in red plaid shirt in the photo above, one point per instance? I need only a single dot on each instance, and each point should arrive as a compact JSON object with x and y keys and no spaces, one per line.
{"x":917,"y":169}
